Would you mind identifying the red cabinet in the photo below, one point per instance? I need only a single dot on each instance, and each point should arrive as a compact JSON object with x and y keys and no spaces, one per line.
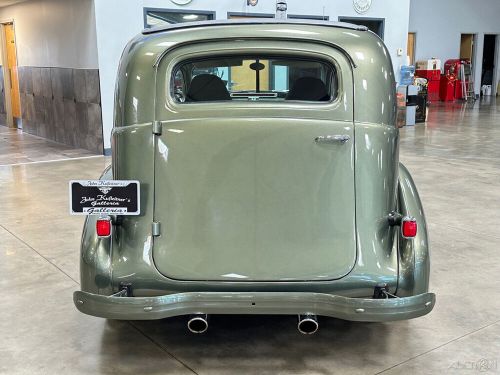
{"x":430,"y":75}
{"x":433,"y":91}
{"x":459,"y":89}
{"x":447,"y":89}
{"x":431,"y":71}
{"x":451,"y":83}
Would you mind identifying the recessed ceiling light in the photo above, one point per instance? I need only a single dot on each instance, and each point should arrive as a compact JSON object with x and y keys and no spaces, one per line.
{"x":190,"y":16}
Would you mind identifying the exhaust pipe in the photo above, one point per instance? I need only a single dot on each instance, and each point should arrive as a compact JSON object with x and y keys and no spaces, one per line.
{"x":198,"y":323}
{"x":308,"y":324}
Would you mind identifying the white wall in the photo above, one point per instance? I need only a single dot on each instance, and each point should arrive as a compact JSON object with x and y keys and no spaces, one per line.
{"x":438,"y":25}
{"x":117,"y":21}
{"x":54,"y":33}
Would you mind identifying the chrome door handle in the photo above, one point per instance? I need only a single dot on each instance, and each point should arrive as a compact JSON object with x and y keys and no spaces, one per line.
{"x":332,"y":139}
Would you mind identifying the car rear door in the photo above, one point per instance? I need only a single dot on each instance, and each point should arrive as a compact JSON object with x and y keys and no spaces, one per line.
{"x":255,"y":191}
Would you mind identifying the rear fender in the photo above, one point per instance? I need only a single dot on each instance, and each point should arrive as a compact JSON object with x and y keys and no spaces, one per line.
{"x":95,"y":254}
{"x":414,"y":262}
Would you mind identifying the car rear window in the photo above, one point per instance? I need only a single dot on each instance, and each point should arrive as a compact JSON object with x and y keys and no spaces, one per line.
{"x":254,"y":78}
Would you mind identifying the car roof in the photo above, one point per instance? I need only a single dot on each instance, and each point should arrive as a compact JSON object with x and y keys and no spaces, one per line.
{"x":253,"y":21}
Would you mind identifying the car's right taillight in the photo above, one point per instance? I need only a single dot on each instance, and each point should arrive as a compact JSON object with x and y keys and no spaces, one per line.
{"x":409,"y":227}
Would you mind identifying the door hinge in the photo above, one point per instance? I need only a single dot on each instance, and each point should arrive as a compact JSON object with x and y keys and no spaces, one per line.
{"x":156,"y":229}
{"x":157,"y":128}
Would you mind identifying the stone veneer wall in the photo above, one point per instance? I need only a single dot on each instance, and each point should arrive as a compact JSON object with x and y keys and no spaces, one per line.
{"x":62,"y":104}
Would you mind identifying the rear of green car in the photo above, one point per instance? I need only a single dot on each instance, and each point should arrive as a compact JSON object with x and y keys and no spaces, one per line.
{"x":268,"y":161}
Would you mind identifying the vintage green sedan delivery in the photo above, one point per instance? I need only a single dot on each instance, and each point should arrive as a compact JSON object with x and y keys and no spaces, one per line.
{"x":267,"y":156}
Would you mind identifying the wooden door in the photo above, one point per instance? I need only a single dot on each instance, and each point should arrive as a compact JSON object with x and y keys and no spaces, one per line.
{"x":466,"y":45}
{"x":10,"y":41}
{"x":411,"y":48}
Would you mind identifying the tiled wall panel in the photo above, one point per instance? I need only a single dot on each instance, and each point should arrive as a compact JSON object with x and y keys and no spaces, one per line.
{"x":62,"y":104}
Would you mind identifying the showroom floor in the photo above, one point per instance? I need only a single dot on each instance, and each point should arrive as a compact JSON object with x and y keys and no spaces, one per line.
{"x":455,"y":161}
{"x":17,"y":147}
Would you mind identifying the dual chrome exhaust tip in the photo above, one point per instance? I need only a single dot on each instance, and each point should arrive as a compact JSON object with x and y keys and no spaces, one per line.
{"x":307,"y":323}
{"x":198,"y":323}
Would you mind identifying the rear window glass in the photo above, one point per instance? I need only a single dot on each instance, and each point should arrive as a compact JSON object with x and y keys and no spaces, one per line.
{"x":254,"y":78}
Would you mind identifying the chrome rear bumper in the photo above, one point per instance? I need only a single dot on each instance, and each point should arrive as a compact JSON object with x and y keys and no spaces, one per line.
{"x":271,"y":303}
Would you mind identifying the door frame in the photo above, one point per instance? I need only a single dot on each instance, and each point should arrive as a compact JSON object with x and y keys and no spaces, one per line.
{"x":6,"y":76}
{"x":496,"y":61}
{"x":476,"y":60}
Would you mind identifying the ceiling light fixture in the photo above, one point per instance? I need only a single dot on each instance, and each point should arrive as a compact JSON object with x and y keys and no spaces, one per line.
{"x":181,"y":2}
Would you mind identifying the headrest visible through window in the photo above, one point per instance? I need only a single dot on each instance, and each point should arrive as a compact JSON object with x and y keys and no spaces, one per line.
{"x":310,"y":89}
{"x":207,"y":88}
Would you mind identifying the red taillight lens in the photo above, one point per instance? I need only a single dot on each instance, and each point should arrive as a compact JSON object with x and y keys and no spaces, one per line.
{"x":103,"y":227}
{"x":409,"y":227}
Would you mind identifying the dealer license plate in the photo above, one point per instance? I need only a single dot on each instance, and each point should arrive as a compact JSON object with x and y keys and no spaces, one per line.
{"x":102,"y":197}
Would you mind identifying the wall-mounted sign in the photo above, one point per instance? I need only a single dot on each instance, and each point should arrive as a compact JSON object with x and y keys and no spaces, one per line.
{"x":362,"y":6}
{"x":181,"y":2}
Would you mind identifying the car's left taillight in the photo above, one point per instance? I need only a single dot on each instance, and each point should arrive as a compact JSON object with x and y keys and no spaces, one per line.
{"x":103,"y":226}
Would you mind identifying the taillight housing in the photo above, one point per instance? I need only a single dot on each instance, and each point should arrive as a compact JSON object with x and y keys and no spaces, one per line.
{"x":409,"y":227}
{"x":103,"y":226}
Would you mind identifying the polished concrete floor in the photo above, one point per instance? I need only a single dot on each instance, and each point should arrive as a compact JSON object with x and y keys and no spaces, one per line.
{"x":17,"y":147}
{"x":455,"y":161}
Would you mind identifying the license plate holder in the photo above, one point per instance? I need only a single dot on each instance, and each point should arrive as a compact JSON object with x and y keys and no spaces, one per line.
{"x":104,"y":197}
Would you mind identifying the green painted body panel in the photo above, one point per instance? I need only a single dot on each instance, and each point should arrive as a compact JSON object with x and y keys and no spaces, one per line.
{"x":242,"y":189}
{"x":414,"y":255}
{"x":251,"y":200}
{"x":374,"y":83}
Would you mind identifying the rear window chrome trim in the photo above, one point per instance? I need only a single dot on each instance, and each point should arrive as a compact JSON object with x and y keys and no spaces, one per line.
{"x":344,"y":102}
{"x":335,"y":81}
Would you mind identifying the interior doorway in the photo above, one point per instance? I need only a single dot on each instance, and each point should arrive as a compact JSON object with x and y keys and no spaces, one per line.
{"x":410,"y":47}
{"x":10,"y":75}
{"x":489,"y":51}
{"x":377,"y":25}
{"x":467,"y":47}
